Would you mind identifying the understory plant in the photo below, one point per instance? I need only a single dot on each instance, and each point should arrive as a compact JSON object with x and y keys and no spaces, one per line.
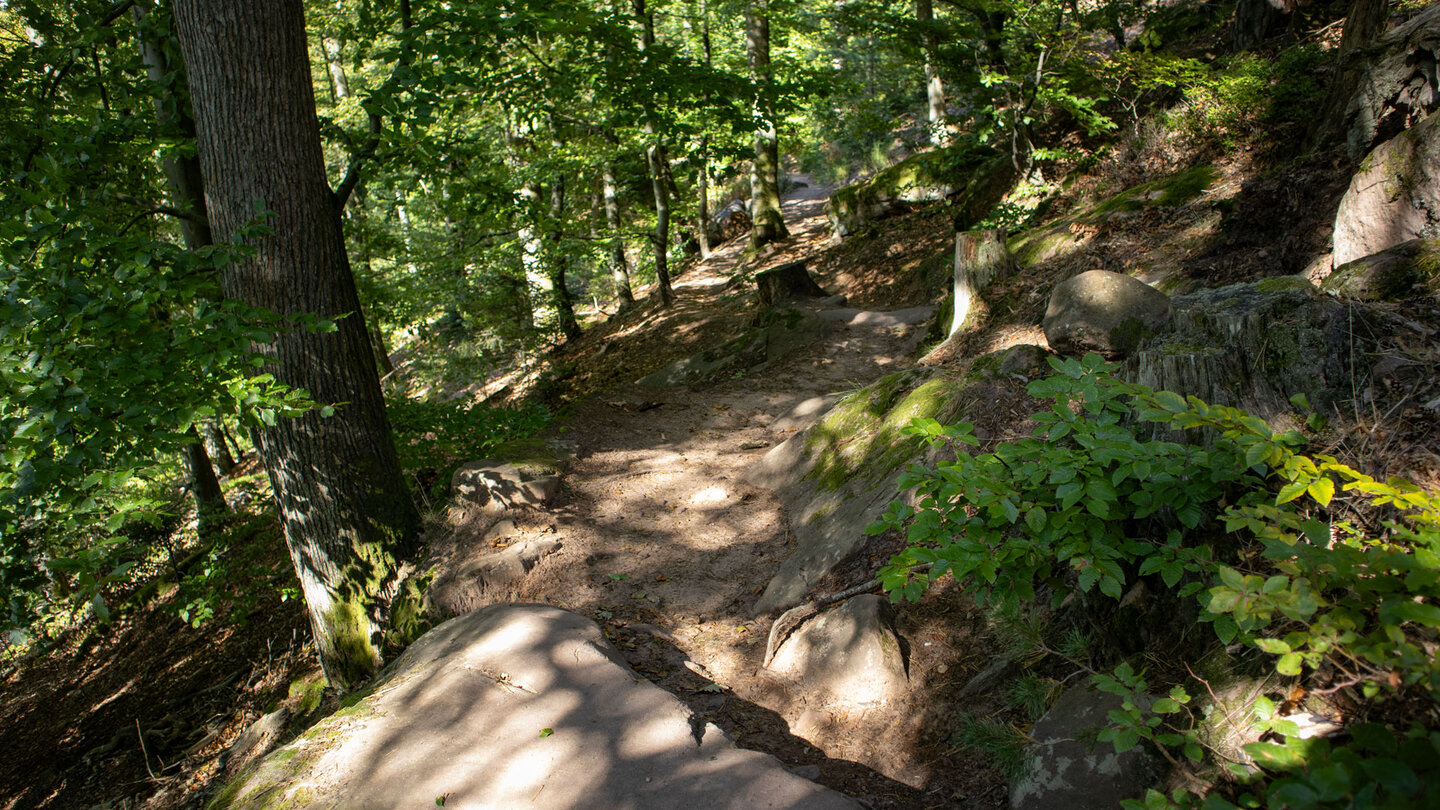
{"x":1332,"y":575}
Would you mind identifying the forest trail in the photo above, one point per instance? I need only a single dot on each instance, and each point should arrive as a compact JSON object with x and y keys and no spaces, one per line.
{"x":668,"y":548}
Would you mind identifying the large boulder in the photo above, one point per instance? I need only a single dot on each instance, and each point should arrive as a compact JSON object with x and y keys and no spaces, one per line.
{"x":1407,"y":270}
{"x":849,"y":655}
{"x":1395,"y":196}
{"x":519,"y":706}
{"x":1068,"y":769}
{"x":1105,"y":312}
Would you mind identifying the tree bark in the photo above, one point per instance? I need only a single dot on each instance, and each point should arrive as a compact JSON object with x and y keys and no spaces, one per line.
{"x":1257,"y":20}
{"x":660,"y":237}
{"x":981,"y":258}
{"x":217,"y":448}
{"x":619,"y":266}
{"x":940,"y":133}
{"x":556,"y":262}
{"x":347,"y":513}
{"x":768,"y":223}
{"x":187,"y":192}
{"x":339,"y":82}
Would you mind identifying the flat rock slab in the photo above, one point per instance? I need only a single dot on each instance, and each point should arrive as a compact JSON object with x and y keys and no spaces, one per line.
{"x":521,"y":706}
{"x":497,"y":484}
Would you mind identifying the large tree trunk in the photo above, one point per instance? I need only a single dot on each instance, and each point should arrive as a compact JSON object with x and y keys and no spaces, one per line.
{"x":1257,"y":20}
{"x":768,"y":223}
{"x":347,"y":513}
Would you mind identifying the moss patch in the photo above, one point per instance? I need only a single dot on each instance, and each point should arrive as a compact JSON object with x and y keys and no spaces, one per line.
{"x":863,"y":435}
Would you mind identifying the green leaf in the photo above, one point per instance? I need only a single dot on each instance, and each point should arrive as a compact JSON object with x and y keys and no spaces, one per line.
{"x":1290,"y":492}
{"x":1035,"y":519}
{"x":546,"y":732}
{"x":1274,"y":757}
{"x":1402,"y":609}
{"x":1395,"y":776}
{"x":1274,"y":646}
{"x":1322,"y":490}
{"x":1289,"y":664}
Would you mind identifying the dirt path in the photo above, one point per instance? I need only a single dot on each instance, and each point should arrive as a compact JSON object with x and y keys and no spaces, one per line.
{"x":666,"y":546}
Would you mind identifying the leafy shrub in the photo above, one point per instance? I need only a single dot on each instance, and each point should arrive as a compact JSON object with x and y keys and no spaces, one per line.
{"x":1249,"y":96}
{"x":434,"y":438}
{"x":1089,"y":504}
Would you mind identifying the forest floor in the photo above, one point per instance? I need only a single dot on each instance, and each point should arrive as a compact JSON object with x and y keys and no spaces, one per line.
{"x":668,"y":548}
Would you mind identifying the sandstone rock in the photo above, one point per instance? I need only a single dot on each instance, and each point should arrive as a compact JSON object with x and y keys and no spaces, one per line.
{"x":850,"y":654}
{"x":1066,"y":772}
{"x":975,"y":183}
{"x":1404,"y":271}
{"x":520,"y":706}
{"x":1395,"y":82}
{"x":1105,"y":312}
{"x":460,"y":588}
{"x":839,"y":475}
{"x":503,"y":485}
{"x":1394,"y":197}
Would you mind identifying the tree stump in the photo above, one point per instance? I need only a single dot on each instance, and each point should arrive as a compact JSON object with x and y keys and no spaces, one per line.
{"x":981,"y":259}
{"x":787,"y":282}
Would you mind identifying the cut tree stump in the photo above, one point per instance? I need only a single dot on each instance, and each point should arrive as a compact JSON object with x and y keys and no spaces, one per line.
{"x":981,"y":259}
{"x":787,"y":282}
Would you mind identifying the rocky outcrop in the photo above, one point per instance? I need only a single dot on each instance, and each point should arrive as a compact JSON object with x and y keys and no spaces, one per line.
{"x":786,"y":282}
{"x":1407,"y":270}
{"x":1395,"y":80}
{"x":975,"y":180}
{"x":1395,"y":196}
{"x":519,"y":706}
{"x":1104,"y":312}
{"x":850,"y":655}
{"x":1252,"y":346}
{"x":502,"y":558}
{"x":1067,"y":771}
{"x":838,"y":476}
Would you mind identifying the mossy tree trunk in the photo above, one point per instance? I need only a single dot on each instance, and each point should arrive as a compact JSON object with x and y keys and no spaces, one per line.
{"x":346,"y":511}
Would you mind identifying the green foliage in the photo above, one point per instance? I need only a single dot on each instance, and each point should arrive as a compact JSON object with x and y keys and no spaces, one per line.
{"x":1249,"y":96}
{"x":434,"y":438}
{"x":1003,"y":744}
{"x":1083,"y":505}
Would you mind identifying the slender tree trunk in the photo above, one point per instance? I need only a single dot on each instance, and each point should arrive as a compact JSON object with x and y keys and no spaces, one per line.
{"x":556,"y":263}
{"x":767,"y":222}
{"x":339,"y":82}
{"x":619,"y":266}
{"x":347,"y":513}
{"x":702,"y":233}
{"x":940,"y":132}
{"x":539,"y":290}
{"x":660,"y":237}
{"x":187,"y":192}
{"x":216,"y":447}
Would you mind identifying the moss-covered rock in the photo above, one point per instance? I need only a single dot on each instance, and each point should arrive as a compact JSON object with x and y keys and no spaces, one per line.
{"x":838,"y":476}
{"x":925,"y":177}
{"x":1065,"y":236}
{"x":1404,"y":271}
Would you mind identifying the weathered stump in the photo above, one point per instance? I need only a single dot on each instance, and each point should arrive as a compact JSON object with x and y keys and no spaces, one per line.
{"x":981,"y":259}
{"x":787,"y":282}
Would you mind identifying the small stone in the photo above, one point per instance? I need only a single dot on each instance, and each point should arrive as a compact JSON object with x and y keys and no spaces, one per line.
{"x":753,"y":444}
